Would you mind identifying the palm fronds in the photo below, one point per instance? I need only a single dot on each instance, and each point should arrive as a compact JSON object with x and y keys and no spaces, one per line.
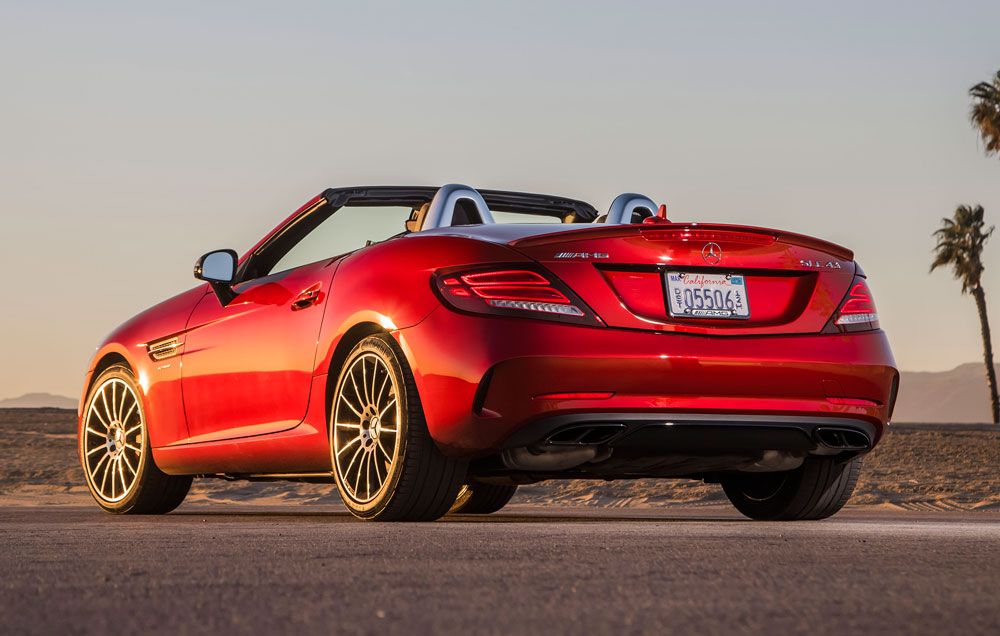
{"x":985,"y":113}
{"x":960,"y":242}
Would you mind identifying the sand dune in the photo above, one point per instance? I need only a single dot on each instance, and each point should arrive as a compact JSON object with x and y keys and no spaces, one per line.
{"x":940,"y":467}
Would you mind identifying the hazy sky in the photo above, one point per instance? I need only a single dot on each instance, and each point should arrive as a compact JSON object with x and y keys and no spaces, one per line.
{"x":133,"y":139}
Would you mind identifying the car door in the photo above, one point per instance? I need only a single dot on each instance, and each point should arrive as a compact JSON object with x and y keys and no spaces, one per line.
{"x":248,"y":366}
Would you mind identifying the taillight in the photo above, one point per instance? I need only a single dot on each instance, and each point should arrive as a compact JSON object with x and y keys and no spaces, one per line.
{"x":512,"y":291}
{"x":857,"y":311}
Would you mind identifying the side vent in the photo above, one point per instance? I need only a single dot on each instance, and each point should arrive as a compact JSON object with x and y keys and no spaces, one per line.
{"x":163,"y":349}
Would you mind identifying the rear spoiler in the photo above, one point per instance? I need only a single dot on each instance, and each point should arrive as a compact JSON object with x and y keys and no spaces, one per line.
{"x":653,"y":231}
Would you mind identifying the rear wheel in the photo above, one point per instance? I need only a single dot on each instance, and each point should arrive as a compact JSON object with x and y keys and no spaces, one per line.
{"x":386,"y":465}
{"x":115,"y":452}
{"x":816,"y":490}
{"x":476,"y":498}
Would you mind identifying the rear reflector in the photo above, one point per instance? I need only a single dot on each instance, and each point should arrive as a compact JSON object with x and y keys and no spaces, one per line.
{"x":852,"y":401}
{"x":579,"y":395}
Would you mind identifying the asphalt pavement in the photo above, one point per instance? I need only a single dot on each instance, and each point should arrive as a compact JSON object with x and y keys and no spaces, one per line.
{"x":312,"y":570}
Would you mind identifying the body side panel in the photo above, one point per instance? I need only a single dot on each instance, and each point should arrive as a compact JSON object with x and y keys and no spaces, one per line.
{"x":388,"y":285}
{"x":160,"y":380}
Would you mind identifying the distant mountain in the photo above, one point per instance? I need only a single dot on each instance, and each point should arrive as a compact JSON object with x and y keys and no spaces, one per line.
{"x":959,"y":395}
{"x":39,"y":401}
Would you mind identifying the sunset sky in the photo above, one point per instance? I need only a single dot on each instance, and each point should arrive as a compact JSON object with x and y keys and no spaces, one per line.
{"x":133,"y":139}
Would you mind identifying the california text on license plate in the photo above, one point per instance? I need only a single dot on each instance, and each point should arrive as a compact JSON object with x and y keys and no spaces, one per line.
{"x":695,"y":295}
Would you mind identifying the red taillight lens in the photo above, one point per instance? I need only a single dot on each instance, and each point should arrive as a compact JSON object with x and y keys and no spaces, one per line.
{"x":857,"y":311}
{"x":513,"y":292}
{"x":504,"y":277}
{"x":859,"y":301}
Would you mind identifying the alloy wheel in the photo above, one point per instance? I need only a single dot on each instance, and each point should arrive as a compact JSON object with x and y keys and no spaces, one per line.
{"x":365,"y":427}
{"x":113,"y":440}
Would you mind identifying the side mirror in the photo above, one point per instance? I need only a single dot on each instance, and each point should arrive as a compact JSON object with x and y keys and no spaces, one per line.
{"x":218,"y":269}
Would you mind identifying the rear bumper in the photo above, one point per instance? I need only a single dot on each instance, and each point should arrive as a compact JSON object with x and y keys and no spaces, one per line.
{"x":698,"y":433}
{"x":483,"y":380}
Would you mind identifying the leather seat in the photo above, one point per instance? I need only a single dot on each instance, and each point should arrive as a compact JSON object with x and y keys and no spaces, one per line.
{"x":416,"y":220}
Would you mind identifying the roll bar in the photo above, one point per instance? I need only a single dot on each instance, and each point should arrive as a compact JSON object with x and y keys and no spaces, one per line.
{"x":624,"y":205}
{"x":442,"y":208}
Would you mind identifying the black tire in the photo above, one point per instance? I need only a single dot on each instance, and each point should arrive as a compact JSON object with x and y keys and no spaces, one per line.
{"x":476,"y":498}
{"x":815,"y":490}
{"x":420,"y":482}
{"x":149,"y":490}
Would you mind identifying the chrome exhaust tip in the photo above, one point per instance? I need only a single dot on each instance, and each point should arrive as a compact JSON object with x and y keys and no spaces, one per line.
{"x":843,"y":439}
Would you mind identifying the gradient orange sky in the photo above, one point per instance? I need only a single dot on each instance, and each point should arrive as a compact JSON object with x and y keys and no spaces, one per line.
{"x":133,"y":139}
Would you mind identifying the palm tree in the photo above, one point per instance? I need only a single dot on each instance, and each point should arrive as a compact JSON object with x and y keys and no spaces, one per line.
{"x":985,"y":113}
{"x":960,"y":243}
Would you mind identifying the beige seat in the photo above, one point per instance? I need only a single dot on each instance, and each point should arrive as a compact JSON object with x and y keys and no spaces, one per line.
{"x":416,"y":220}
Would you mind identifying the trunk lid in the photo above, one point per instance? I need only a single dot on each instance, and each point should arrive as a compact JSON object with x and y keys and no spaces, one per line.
{"x":793,"y":283}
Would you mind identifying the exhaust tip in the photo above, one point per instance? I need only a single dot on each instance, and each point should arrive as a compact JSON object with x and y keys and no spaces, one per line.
{"x":585,"y":434}
{"x":843,"y":439}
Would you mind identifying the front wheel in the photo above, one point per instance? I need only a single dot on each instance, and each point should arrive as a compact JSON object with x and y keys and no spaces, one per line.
{"x":815,"y":490}
{"x":386,"y":465}
{"x":115,"y":451}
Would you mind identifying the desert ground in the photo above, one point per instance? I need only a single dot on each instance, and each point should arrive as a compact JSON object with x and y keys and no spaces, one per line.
{"x":917,"y":550}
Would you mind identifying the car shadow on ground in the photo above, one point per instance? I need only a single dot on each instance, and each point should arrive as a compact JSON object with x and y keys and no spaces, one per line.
{"x":222,"y":513}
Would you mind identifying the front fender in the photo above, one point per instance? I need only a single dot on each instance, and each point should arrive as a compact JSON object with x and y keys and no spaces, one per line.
{"x":159,"y":381}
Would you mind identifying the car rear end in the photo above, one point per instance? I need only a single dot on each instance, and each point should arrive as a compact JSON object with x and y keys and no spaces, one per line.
{"x":655,"y":350}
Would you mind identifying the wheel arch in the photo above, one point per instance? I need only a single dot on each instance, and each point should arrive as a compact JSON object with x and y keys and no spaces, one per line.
{"x":104,"y":361}
{"x":345,"y":344}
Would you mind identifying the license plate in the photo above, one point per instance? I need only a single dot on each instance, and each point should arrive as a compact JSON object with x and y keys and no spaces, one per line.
{"x":694,"y":295}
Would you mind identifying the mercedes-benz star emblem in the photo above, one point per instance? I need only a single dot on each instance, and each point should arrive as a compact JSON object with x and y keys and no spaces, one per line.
{"x":712,"y":253}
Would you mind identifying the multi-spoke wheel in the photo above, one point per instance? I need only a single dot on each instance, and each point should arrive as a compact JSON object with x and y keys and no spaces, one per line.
{"x":366,"y":426}
{"x":386,"y":465}
{"x":114,"y":450}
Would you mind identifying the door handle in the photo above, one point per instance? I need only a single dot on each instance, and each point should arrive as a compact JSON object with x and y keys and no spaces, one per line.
{"x":307,"y":298}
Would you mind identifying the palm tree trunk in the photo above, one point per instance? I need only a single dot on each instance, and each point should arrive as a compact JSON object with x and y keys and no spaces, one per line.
{"x":991,"y":374}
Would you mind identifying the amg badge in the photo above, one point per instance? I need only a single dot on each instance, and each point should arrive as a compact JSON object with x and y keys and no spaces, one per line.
{"x":591,"y":255}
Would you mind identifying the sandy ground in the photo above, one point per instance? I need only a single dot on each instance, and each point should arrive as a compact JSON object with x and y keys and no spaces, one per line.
{"x":210,"y":569}
{"x":933,"y":467}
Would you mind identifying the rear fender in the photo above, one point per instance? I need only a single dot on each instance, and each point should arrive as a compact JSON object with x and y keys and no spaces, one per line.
{"x":390,"y":285}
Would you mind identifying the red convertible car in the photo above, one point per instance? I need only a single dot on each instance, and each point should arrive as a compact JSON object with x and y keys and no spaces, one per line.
{"x":478,"y":340}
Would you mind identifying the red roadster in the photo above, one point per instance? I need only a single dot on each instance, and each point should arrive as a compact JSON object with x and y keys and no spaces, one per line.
{"x":479,"y":340}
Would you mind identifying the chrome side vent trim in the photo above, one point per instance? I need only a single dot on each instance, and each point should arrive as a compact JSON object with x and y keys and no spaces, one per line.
{"x":163,"y":349}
